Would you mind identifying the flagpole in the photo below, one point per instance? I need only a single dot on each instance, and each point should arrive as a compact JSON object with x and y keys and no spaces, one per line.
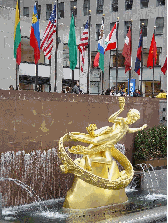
{"x":79,"y":55}
{"x":88,"y":53}
{"x":73,"y":70}
{"x":153,"y":65}
{"x":17,"y":65}
{"x":131,"y":64}
{"x":109,"y":69}
{"x":142,"y":59}
{"x":36,"y":82}
{"x":102,"y":71}
{"x":55,"y":84}
{"x":117,"y":55}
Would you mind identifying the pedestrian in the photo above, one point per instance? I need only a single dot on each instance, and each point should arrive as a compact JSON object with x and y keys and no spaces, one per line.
{"x":76,"y":88}
{"x":112,"y":92}
{"x":136,"y":93}
{"x":11,"y":87}
{"x":67,"y":90}
{"x":122,"y":92}
{"x":107,"y":91}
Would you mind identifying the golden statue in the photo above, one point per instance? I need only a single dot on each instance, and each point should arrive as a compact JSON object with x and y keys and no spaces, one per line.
{"x":98,"y":181}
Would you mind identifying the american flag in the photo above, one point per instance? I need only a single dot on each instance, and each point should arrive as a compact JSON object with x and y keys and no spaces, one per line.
{"x":83,"y":43}
{"x":47,"y":40}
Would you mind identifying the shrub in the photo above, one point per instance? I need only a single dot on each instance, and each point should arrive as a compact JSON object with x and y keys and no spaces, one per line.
{"x":151,"y":143}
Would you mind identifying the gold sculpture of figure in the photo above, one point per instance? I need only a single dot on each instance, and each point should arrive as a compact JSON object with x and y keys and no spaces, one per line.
{"x":98,"y":180}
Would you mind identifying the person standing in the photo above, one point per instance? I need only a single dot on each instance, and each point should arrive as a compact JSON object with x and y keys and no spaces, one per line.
{"x":76,"y":88}
{"x":136,"y":93}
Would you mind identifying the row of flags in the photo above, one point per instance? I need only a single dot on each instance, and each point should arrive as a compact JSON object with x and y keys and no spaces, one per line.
{"x":47,"y":40}
{"x":104,"y":44}
{"x":111,"y":44}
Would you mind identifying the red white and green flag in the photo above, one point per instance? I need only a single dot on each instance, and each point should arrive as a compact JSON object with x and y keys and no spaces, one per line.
{"x":17,"y":37}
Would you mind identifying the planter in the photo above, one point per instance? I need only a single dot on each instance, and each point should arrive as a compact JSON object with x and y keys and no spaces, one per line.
{"x":155,"y":162}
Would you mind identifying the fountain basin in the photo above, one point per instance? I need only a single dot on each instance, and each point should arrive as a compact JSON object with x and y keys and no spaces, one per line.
{"x":139,"y":201}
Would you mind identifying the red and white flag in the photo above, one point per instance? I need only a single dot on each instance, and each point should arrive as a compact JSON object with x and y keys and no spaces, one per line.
{"x":82,"y":45}
{"x":164,"y":68}
{"x":47,"y":40}
{"x":127,"y":51}
{"x":111,"y":40}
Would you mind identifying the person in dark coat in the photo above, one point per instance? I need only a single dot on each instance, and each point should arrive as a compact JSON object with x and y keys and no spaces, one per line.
{"x":136,"y":93}
{"x":76,"y":88}
{"x":107,"y":91}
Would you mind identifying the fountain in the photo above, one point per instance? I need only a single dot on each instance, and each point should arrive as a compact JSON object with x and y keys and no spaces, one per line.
{"x":101,"y":190}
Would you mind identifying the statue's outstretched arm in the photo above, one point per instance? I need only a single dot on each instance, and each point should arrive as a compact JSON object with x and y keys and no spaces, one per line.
{"x":122,"y":104}
{"x":132,"y":130}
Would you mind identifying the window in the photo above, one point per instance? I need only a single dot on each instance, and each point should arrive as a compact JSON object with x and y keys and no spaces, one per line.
{"x":144,"y":4}
{"x":26,"y":11}
{"x":160,"y":2}
{"x":111,"y":25}
{"x":121,"y":59}
{"x":128,"y":4}
{"x":114,"y":6}
{"x":146,"y":53}
{"x":100,"y":4}
{"x":86,"y":7}
{"x":159,"y":25}
{"x":28,"y":52}
{"x":72,"y":4}
{"x":65,"y":55}
{"x":48,"y":11}
{"x":60,"y":10}
{"x":39,"y":11}
{"x":98,"y":28}
{"x":145,"y":21}
{"x":127,"y":24}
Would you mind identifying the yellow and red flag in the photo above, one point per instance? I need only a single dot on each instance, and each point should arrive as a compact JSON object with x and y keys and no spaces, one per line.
{"x":17,"y":36}
{"x":152,"y":53}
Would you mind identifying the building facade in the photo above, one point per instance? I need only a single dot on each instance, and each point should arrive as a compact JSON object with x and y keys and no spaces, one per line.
{"x":150,"y":12}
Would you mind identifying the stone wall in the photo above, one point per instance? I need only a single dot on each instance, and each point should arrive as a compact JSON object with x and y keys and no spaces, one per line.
{"x":36,"y":120}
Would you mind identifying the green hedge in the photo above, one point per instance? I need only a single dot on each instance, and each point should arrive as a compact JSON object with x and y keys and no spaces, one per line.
{"x":151,"y":143}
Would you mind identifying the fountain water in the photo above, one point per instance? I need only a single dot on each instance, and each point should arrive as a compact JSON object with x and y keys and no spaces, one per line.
{"x":155,"y":177}
{"x":145,"y":176}
{"x":24,"y":186}
{"x":41,"y":165}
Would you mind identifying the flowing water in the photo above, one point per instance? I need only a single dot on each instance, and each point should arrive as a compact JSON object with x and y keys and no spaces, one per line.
{"x":41,"y":167}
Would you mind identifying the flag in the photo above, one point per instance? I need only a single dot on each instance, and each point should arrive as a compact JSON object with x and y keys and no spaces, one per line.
{"x":35,"y":35}
{"x":164,"y":68}
{"x":111,"y":40}
{"x":101,"y":45}
{"x":139,"y":52}
{"x":152,"y":53}
{"x":47,"y":40}
{"x":72,"y":45}
{"x":17,"y":37}
{"x":127,"y":51}
{"x":83,"y":43}
{"x":96,"y":60}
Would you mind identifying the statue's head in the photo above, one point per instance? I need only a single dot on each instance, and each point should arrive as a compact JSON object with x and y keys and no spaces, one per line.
{"x":132,"y":116}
